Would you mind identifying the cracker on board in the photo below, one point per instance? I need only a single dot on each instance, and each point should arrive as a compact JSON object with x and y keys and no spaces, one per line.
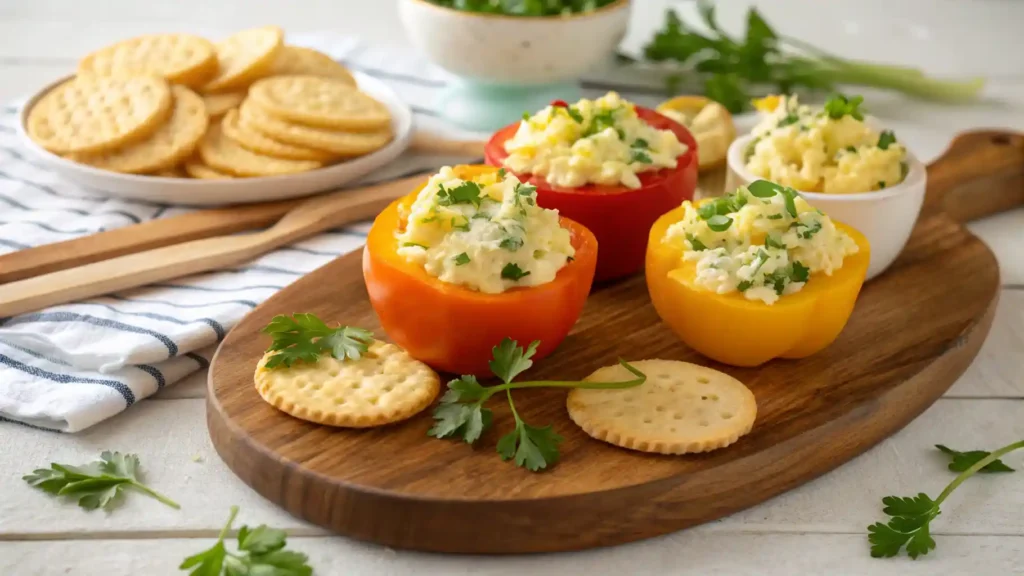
{"x":300,"y":60}
{"x":196,"y":169}
{"x":244,"y":57}
{"x":260,"y":143}
{"x":337,"y":142}
{"x":320,"y":102}
{"x":682,"y":408}
{"x":180,"y":58}
{"x":225,"y":155}
{"x":97,"y":113}
{"x":169,"y":145}
{"x":218,"y":105}
{"x":383,"y":386}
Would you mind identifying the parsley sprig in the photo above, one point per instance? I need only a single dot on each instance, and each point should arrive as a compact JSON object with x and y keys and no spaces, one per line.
{"x":260,"y":552}
{"x":462,"y":413}
{"x":911,"y":516}
{"x":733,"y":69}
{"x":304,"y":337}
{"x":99,"y":484}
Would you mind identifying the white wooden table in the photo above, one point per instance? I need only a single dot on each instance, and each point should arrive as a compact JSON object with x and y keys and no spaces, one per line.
{"x":816,"y":529}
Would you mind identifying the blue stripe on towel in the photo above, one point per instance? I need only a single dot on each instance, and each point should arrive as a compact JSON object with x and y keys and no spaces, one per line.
{"x":49,"y":228}
{"x":33,"y":426}
{"x":13,"y":244}
{"x":217,"y":327}
{"x":310,"y":251}
{"x":172,"y":348}
{"x":248,"y":303}
{"x":125,"y":391}
{"x":208,"y":289}
{"x":156,"y":374}
{"x":203,"y":362}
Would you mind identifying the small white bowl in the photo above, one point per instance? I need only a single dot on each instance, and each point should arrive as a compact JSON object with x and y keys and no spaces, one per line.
{"x":514,"y":50}
{"x":886,"y":217}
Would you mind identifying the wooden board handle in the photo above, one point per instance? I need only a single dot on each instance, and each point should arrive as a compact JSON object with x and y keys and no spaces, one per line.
{"x":981,"y":173}
{"x":307,"y":218}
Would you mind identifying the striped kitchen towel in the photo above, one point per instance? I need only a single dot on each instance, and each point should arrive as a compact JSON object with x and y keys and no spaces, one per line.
{"x":69,"y":367}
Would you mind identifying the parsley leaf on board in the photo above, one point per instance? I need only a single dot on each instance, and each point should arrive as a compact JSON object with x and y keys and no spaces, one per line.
{"x":461,"y":413}
{"x":963,"y":460}
{"x":910,"y":517}
{"x":304,"y":337}
{"x":260,"y":553}
{"x":99,"y":484}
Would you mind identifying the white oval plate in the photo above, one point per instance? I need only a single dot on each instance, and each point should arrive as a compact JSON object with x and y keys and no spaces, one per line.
{"x":192,"y":192}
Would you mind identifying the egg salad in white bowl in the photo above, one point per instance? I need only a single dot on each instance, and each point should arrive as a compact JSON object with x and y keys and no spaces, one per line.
{"x":841,"y":162}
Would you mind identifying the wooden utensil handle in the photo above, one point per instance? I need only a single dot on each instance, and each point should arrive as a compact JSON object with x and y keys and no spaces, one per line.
{"x":133,"y":270}
{"x":139,"y":237}
{"x":981,"y":173}
{"x":429,"y":143}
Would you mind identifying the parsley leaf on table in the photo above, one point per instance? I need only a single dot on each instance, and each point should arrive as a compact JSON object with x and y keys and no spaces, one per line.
{"x":461,"y":413}
{"x":963,"y":460}
{"x":99,"y":484}
{"x":910,"y":517}
{"x":260,"y":553}
{"x":304,"y":337}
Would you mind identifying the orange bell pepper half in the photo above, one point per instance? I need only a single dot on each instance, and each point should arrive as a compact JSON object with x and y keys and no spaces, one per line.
{"x":740,"y":332}
{"x":452,"y":328}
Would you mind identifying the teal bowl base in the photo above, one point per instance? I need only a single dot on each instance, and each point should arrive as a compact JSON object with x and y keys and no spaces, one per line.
{"x":487,"y":107}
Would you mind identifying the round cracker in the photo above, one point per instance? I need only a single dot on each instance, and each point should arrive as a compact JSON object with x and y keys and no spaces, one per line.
{"x":218,"y":105}
{"x":257,"y":142}
{"x":225,"y":155}
{"x":384,"y":386}
{"x":297,"y":60}
{"x":681,"y":408}
{"x":320,"y":102}
{"x":244,"y":57}
{"x":170,"y":144}
{"x":196,"y":169}
{"x":336,"y":142}
{"x":98,"y":113}
{"x":172,"y":172}
{"x":180,"y":58}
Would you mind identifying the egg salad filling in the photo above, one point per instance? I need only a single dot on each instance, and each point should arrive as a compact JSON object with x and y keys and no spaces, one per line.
{"x":831,"y":150}
{"x":486,"y":234}
{"x":600,"y":141}
{"x":764,"y":240}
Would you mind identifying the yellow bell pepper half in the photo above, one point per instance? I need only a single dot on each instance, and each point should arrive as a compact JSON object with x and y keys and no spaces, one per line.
{"x":740,"y":332}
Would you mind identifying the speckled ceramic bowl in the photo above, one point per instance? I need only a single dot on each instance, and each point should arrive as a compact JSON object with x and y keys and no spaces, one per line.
{"x":514,"y":50}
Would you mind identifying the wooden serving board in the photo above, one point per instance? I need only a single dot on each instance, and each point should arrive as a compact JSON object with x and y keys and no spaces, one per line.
{"x":913,"y":332}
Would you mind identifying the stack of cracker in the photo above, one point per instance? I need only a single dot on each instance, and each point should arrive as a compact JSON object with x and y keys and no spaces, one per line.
{"x":177,"y":105}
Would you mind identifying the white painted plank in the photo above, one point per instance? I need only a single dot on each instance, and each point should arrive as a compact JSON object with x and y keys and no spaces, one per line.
{"x":21,"y":80}
{"x":998,"y":370}
{"x":1004,"y":234}
{"x":167,"y":435}
{"x":693,"y":552}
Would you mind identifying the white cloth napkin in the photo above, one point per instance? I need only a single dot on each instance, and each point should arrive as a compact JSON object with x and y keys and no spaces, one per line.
{"x":69,"y":367}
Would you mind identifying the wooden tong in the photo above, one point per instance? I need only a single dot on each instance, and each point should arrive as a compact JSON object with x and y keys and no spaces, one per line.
{"x":172,"y":247}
